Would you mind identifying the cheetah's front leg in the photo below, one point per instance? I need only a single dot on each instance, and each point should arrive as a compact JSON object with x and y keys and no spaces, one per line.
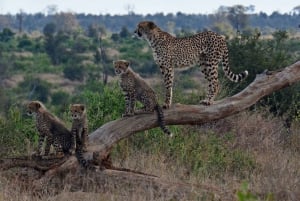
{"x":129,"y":104}
{"x":84,"y":138}
{"x":58,"y":148}
{"x":49,"y":141}
{"x":168,"y":75}
{"x":74,"y":138}
{"x":39,"y":150}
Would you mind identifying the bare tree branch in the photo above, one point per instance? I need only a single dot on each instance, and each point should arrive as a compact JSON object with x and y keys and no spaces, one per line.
{"x":102,"y":139}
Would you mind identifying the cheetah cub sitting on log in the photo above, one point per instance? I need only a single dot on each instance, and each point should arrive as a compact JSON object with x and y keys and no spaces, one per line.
{"x":51,"y":129}
{"x":136,"y":89}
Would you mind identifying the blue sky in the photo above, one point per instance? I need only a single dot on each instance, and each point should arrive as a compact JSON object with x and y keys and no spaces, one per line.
{"x":142,"y":6}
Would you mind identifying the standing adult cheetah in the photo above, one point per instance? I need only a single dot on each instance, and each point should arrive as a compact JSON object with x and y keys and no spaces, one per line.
{"x":206,"y":49}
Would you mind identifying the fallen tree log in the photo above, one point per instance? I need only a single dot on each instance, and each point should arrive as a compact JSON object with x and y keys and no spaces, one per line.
{"x":102,"y":140}
{"x":33,"y":162}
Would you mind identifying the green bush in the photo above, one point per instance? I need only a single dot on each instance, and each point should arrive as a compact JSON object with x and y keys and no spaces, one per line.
{"x":25,"y":44}
{"x":255,"y":55}
{"x":245,"y":195}
{"x":35,"y":89}
{"x":17,"y":133}
{"x":6,"y":35}
{"x":104,"y":103}
{"x":81,"y":45}
{"x":203,"y":154}
{"x":74,"y":72}
{"x":60,"y":98}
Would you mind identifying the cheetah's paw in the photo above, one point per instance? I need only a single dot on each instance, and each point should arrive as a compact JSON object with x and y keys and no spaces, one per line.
{"x":206,"y":102}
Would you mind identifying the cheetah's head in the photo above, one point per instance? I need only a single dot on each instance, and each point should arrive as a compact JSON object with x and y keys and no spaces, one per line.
{"x":33,"y":107}
{"x":77,"y":111}
{"x":121,"y":66}
{"x":144,"y":29}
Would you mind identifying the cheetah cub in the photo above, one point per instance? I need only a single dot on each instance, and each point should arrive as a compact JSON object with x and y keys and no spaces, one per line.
{"x":51,"y":129}
{"x":79,"y":126}
{"x":136,"y":89}
{"x":79,"y":132}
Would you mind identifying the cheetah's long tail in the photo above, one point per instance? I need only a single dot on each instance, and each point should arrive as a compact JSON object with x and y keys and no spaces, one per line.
{"x":161,"y":120}
{"x":229,"y":74}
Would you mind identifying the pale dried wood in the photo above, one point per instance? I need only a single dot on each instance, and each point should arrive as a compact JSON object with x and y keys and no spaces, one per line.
{"x":102,"y":139}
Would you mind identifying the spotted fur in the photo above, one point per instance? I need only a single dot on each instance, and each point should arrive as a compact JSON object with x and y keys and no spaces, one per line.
{"x":50,"y":129}
{"x":136,"y":89}
{"x":79,"y":131}
{"x":206,"y":49}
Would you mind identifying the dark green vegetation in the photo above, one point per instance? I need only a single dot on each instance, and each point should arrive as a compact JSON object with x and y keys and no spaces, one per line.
{"x":63,"y":64}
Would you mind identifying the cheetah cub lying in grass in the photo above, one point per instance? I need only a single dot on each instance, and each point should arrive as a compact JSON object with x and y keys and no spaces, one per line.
{"x":136,"y":89}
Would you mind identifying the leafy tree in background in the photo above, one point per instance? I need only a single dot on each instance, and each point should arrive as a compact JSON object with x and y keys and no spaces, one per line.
{"x":36,"y":89}
{"x":81,"y":45}
{"x":49,"y":30}
{"x":25,"y":43}
{"x":60,"y":98}
{"x":54,"y":44}
{"x":115,"y":37}
{"x":74,"y":72}
{"x":20,"y":18}
{"x":238,"y":17}
{"x":6,"y":35}
{"x":124,"y":33}
{"x":256,"y":55}
{"x":66,"y":22}
{"x":61,"y":101}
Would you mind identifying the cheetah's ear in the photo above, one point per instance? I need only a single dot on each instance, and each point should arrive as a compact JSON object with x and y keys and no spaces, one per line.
{"x":127,"y":63}
{"x":37,"y":105}
{"x":151,"y":25}
{"x":82,"y":107}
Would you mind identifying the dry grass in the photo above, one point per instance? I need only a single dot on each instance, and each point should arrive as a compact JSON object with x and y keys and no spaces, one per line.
{"x":58,"y":80}
{"x":274,"y":148}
